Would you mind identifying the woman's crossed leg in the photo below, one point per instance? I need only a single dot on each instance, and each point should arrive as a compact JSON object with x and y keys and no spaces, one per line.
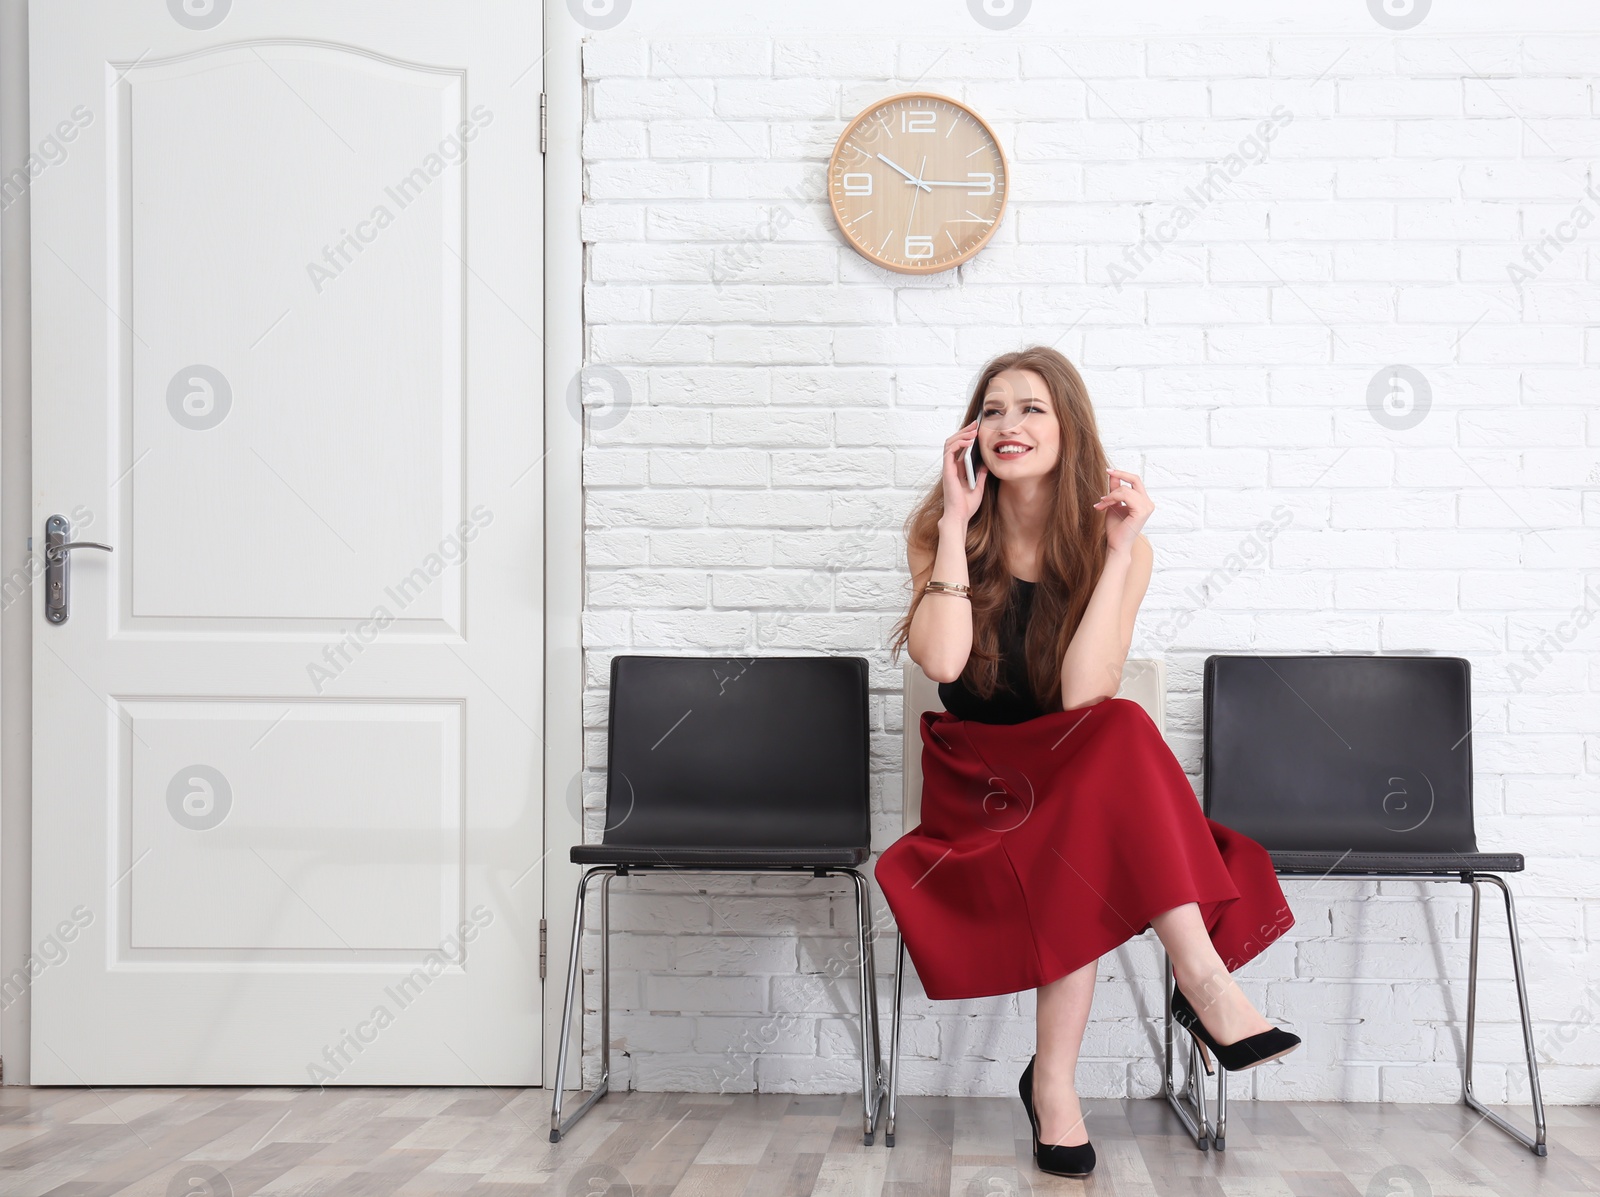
{"x":1063,"y":1014}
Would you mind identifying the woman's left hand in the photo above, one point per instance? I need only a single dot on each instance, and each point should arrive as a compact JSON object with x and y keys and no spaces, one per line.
{"x":1126,"y":507}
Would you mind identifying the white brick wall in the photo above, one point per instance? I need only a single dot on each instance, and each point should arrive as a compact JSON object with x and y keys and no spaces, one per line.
{"x":788,"y":399}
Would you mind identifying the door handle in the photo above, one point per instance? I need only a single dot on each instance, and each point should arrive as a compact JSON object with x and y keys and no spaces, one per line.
{"x":57,"y":571}
{"x":60,"y":550}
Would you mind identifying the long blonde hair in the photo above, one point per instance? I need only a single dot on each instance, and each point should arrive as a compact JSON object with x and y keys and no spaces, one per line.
{"x":1074,"y":538}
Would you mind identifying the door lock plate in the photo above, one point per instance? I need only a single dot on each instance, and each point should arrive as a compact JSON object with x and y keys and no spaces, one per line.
{"x":58,"y":547}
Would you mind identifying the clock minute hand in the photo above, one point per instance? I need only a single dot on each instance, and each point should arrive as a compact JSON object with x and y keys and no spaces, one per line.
{"x":909,"y":176}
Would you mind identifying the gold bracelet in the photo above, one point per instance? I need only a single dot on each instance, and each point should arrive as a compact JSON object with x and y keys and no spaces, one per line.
{"x":955,"y":588}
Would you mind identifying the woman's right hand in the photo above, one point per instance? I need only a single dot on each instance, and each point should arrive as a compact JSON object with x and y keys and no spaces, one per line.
{"x":960,"y":503}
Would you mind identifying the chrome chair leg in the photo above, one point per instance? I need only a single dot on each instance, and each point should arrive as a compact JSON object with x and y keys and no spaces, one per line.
{"x":894,"y":1040}
{"x":1219,"y":1128}
{"x":881,"y":1091}
{"x":872,"y":1087}
{"x":557,"y":1127}
{"x":1190,"y":1104}
{"x":1536,"y":1142}
{"x":605,"y":974}
{"x":871,"y":936}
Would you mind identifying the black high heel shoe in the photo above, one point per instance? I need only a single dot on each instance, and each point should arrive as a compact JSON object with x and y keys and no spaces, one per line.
{"x":1054,"y":1158}
{"x":1234,"y":1057}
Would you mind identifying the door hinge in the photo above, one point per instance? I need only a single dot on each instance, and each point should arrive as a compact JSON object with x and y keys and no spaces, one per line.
{"x":544,"y":123}
{"x":542,"y":942}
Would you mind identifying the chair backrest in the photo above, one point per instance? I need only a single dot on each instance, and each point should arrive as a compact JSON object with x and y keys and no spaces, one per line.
{"x":733,"y":752}
{"x":1144,"y":680}
{"x":1341,"y":751}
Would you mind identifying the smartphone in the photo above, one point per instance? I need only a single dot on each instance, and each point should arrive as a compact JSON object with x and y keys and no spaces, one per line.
{"x":972,"y":477}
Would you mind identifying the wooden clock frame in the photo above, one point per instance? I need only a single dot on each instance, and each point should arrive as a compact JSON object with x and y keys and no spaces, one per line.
{"x":835,"y":172}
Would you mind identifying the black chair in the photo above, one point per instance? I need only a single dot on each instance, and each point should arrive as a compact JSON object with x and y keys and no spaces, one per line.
{"x":748,"y":765}
{"x":1354,"y":765}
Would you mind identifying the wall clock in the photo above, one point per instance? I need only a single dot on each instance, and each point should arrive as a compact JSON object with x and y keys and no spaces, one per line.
{"x":918,"y":183}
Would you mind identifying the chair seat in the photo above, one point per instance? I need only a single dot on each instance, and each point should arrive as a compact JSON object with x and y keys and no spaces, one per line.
{"x":741,"y":857}
{"x":1397,"y":864}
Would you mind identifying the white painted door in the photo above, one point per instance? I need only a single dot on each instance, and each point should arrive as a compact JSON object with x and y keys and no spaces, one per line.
{"x":286,"y":361}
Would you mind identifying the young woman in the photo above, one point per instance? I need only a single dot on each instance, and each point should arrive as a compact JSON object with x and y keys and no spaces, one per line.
{"x":1056,"y":822}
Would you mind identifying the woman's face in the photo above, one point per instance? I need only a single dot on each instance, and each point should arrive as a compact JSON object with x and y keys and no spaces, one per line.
{"x":1018,"y":412}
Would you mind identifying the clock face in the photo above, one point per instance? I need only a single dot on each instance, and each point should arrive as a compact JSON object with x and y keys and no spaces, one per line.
{"x":918,"y":183}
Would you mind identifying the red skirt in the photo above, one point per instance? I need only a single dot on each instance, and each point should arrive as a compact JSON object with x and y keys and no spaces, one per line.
{"x":1045,"y":844}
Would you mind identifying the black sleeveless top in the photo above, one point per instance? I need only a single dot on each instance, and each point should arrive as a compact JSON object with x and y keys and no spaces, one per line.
{"x":1013,"y":701}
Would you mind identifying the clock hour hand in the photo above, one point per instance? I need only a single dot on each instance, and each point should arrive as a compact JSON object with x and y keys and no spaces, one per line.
{"x":909,"y":176}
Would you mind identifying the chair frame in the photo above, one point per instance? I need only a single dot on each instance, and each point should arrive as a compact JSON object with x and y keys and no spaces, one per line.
{"x":1189,"y":1103}
{"x":873,"y":1086}
{"x":1471,"y":871}
{"x":1209,"y":1134}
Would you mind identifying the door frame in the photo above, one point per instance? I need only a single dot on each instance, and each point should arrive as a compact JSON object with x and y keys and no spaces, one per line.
{"x":563,"y":497}
{"x":563,"y":505}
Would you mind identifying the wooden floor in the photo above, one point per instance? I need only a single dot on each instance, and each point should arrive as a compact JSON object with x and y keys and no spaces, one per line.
{"x":477,"y":1142}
